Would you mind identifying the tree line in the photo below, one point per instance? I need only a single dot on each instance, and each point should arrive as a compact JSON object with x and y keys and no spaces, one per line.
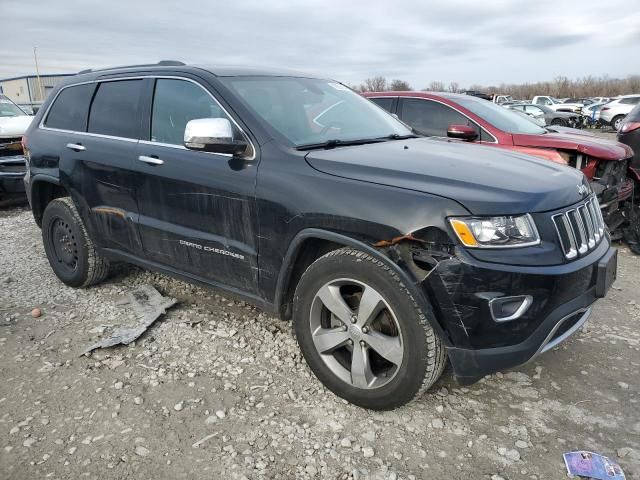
{"x":561,"y":87}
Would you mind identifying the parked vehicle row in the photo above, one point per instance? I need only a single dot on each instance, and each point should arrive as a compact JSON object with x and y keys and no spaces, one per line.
{"x":392,"y":253}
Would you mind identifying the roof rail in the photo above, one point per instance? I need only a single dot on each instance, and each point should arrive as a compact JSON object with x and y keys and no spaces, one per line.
{"x":161,"y":63}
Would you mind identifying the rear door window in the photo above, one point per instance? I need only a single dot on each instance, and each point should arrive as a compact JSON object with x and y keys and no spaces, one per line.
{"x":431,"y":118}
{"x":115,"y":109}
{"x":70,"y":108}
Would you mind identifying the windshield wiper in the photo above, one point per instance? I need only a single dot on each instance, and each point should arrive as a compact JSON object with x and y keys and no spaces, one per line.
{"x":338,"y":143}
{"x":397,"y":136}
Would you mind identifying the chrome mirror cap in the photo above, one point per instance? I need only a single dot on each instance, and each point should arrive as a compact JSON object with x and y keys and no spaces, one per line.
{"x":207,"y":131}
{"x":213,"y":135}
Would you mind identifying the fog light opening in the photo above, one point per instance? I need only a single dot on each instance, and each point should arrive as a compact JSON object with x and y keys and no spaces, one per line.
{"x":506,"y":309}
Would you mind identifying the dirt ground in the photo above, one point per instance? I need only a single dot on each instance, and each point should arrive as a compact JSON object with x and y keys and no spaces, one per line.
{"x":218,"y":389}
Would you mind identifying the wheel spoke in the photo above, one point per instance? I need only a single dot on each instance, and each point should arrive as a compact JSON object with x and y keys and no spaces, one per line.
{"x":371,"y":304}
{"x":328,"y":339}
{"x":389,"y":348}
{"x":361,"y":374}
{"x":332,"y":299}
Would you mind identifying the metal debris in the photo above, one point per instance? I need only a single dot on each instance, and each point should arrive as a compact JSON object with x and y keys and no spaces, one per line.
{"x":149,"y":304}
{"x":199,"y":443}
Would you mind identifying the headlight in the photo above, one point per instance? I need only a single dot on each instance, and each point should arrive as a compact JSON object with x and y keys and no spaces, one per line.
{"x":496,"y":232}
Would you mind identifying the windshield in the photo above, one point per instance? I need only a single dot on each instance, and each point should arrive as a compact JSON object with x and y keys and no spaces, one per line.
{"x":500,"y":117}
{"x":312,"y":111}
{"x":10,"y":109}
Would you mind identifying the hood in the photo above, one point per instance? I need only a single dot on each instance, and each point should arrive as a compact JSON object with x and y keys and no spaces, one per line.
{"x":485,"y":180}
{"x":14,"y":126}
{"x":593,"y":146}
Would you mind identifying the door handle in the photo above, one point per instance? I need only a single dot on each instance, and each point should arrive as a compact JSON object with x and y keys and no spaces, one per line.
{"x":150,"y":160}
{"x":76,"y":147}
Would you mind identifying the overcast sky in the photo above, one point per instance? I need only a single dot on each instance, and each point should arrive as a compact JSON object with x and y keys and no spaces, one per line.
{"x":485,"y":42}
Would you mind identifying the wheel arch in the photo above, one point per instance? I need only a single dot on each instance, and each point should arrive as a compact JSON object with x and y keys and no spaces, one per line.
{"x":43,"y":190}
{"x":310,"y":244}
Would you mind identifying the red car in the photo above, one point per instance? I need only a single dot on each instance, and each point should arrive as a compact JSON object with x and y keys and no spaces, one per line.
{"x":464,"y":117}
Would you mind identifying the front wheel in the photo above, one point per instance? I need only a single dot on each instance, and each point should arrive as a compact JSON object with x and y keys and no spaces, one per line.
{"x":558,"y":121}
{"x":362,"y":333}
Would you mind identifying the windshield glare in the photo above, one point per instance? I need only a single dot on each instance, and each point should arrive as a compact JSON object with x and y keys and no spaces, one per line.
{"x":310,"y":111}
{"x":10,"y":109}
{"x":500,"y":117}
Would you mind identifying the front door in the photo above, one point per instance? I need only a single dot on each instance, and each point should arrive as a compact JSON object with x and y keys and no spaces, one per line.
{"x":197,"y":209}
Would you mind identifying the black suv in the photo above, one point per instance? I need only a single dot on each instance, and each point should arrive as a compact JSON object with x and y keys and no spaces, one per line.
{"x":391,"y":253}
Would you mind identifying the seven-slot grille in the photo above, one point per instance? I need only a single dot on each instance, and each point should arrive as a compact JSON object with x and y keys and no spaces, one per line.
{"x":580,"y":229}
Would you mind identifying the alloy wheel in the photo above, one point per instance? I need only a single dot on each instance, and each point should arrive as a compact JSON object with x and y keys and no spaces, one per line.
{"x":356,"y":333}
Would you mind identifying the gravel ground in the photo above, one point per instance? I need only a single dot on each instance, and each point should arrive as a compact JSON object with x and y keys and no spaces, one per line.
{"x":218,"y":389}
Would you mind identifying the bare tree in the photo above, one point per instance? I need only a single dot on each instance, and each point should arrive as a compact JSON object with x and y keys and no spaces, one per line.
{"x":435,"y":86}
{"x":453,"y":87}
{"x":374,"y":84}
{"x":399,"y":85}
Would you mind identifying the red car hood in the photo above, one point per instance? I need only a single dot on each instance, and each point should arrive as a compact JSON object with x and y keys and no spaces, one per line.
{"x":592,"y":146}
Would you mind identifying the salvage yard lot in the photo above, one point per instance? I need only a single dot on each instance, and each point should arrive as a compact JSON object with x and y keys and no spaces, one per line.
{"x":225,"y":377}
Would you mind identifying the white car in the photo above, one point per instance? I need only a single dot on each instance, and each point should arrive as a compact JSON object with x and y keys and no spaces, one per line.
{"x":13,"y":124}
{"x":556,"y":105}
{"x":13,"y":120}
{"x":613,"y":112}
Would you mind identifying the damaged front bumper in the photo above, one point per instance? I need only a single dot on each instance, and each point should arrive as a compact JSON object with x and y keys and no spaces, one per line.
{"x":551,"y":303}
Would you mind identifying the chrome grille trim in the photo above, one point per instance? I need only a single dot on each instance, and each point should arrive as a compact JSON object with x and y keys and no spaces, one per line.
{"x":580,"y":229}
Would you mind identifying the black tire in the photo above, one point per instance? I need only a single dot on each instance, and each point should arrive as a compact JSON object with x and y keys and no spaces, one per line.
{"x":559,"y":122}
{"x":424,"y":356}
{"x":616,"y":121}
{"x":71,"y":253}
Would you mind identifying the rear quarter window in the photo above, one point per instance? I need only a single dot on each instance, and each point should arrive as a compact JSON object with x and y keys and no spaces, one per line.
{"x":115,"y":108}
{"x":70,"y":108}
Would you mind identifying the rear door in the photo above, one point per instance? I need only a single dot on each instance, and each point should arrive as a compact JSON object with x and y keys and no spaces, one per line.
{"x":106,"y":179}
{"x":197,"y":209}
{"x":93,"y":130}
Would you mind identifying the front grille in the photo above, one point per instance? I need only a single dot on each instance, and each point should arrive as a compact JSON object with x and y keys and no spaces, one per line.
{"x":10,"y":146}
{"x":580,"y":229}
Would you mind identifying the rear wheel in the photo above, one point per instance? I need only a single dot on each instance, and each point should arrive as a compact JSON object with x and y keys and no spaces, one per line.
{"x":362,"y":333}
{"x":558,"y":121}
{"x":71,"y":253}
{"x":616,"y":122}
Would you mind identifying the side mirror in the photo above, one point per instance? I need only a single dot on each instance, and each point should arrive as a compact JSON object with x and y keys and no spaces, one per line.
{"x":35,"y":109}
{"x":213,"y":135}
{"x":462,"y":132}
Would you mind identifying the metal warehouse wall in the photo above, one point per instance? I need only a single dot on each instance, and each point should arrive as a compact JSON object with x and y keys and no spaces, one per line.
{"x":38,"y":96}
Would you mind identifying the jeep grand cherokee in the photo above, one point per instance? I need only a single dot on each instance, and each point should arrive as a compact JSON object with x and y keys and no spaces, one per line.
{"x":390,"y":253}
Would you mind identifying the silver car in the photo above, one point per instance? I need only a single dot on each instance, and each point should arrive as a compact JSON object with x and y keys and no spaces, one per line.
{"x":547,"y":115}
{"x":613,"y":112}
